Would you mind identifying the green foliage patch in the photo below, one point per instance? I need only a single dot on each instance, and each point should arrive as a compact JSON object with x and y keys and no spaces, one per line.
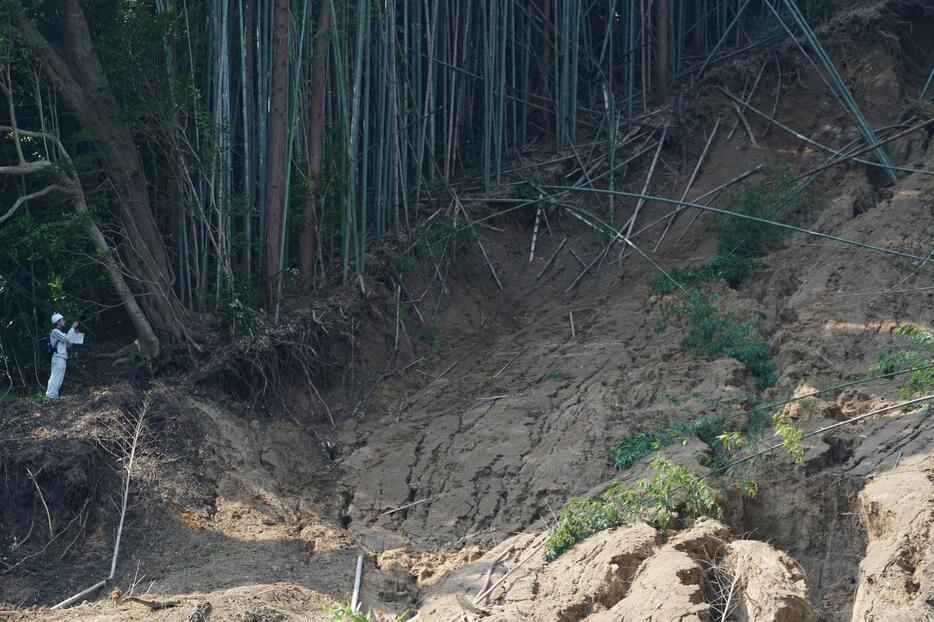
{"x":712,"y":333}
{"x":719,"y":426}
{"x":917,"y":352}
{"x":741,"y":242}
{"x":655,"y":499}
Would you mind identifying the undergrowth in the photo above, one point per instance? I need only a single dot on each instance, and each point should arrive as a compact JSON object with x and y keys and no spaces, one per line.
{"x":741,"y":242}
{"x":718,"y":426}
{"x":655,"y":500}
{"x":712,"y":333}
{"x":918,"y":352}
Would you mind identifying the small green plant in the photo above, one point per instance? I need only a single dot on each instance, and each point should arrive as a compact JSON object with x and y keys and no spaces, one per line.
{"x":344,"y":613}
{"x":627,"y":451}
{"x":790,"y":434}
{"x":655,"y":499}
{"x":713,"y":333}
{"x":672,"y":486}
{"x":432,"y":337}
{"x":917,"y":353}
{"x":556,"y":375}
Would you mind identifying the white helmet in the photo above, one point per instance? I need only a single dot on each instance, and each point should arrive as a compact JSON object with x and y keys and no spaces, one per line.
{"x":56,"y":317}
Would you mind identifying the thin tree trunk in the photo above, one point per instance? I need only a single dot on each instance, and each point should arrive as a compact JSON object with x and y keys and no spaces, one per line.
{"x":661,"y":53}
{"x":699,"y":21}
{"x":276,"y":157}
{"x":308,"y":240}
{"x":546,"y":64}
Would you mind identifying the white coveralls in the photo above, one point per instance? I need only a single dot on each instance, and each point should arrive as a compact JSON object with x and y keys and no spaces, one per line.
{"x":62,"y":342}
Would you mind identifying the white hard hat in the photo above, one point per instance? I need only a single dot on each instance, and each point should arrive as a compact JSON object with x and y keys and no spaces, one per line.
{"x":56,"y":317}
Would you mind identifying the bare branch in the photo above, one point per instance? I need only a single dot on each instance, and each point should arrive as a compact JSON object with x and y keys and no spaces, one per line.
{"x":29,"y":197}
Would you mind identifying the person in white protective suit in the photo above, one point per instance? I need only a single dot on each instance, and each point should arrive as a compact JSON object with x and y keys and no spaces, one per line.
{"x":60,"y":341}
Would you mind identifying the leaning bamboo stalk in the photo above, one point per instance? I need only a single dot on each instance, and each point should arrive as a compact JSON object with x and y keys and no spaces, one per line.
{"x":645,"y":188}
{"x":476,"y":236}
{"x":690,"y":184}
{"x":742,"y":216}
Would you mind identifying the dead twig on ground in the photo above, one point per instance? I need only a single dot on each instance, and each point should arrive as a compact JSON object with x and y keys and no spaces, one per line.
{"x":48,"y":515}
{"x":133,"y":445}
{"x":511,"y":361}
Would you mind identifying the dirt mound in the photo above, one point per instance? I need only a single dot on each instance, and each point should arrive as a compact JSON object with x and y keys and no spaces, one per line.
{"x":627,"y":574}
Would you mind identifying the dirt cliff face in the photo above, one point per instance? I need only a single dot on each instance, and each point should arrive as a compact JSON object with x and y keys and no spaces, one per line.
{"x":447,"y":477}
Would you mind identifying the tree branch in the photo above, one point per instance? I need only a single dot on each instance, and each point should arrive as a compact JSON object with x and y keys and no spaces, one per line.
{"x":29,"y":197}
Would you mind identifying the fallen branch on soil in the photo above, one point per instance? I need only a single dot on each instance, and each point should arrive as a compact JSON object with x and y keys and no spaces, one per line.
{"x":512,"y":360}
{"x":689,"y":185}
{"x":443,"y":374}
{"x":489,"y":571}
{"x":486,"y":258}
{"x":408,"y":505}
{"x":485,"y":593}
{"x":48,"y":515}
{"x":551,"y":259}
{"x":859,"y":152}
{"x":134,"y":443}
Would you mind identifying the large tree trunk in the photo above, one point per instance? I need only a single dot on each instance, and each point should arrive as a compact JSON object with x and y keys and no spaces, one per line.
{"x":79,"y":77}
{"x":276,"y":158}
{"x":308,"y":241}
{"x":661,"y":53}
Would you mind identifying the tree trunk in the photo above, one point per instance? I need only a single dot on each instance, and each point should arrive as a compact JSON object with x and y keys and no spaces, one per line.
{"x":77,"y":73}
{"x":249,"y":13}
{"x":276,"y":158}
{"x":699,"y":23}
{"x":319,"y":68}
{"x":661,"y":53}
{"x":545,"y":114}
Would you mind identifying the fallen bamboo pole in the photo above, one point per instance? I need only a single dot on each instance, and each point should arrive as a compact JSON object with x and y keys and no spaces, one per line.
{"x":551,"y":259}
{"x":858,"y":152}
{"x":690,"y":184}
{"x":355,"y":600}
{"x":765,"y":221}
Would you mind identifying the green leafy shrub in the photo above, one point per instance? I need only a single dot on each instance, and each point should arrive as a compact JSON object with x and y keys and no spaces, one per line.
{"x":917,"y":353}
{"x":740,"y":242}
{"x":719,"y":426}
{"x":790,"y":434}
{"x":714,"y":333}
{"x":656,"y":500}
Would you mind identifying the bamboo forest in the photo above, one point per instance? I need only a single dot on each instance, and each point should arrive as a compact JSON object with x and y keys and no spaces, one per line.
{"x":362,"y":310}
